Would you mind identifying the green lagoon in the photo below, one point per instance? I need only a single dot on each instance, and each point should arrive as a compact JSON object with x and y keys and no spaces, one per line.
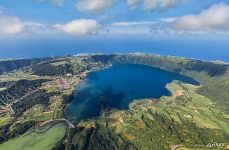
{"x":37,"y":140}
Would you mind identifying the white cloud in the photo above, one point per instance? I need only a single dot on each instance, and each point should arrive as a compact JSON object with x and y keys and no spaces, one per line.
{"x":214,"y":18}
{"x":211,"y":21}
{"x":58,"y":2}
{"x":54,"y":2}
{"x":132,"y":4}
{"x":168,"y":20}
{"x":126,"y":24}
{"x":138,"y":27}
{"x":79,"y":27}
{"x":151,"y":5}
{"x":35,"y":27}
{"x":10,"y":25}
{"x":164,"y":4}
{"x":94,"y":6}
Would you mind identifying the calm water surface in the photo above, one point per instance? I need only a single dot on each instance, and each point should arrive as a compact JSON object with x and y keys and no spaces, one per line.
{"x":205,"y":48}
{"x":120,"y":84}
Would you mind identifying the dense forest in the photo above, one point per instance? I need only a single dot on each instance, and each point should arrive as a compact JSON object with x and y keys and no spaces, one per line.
{"x":212,"y":69}
{"x":7,"y":84}
{"x":165,"y":62}
{"x":20,"y":89}
{"x":10,"y":65}
{"x":16,"y":130}
{"x":37,"y":97}
{"x":47,"y":69}
{"x":217,"y":90}
{"x":155,"y":132}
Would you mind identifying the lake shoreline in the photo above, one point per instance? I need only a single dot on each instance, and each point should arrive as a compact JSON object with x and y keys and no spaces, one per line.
{"x":149,"y":70}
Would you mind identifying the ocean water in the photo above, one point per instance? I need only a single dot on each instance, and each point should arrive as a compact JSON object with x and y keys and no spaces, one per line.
{"x":120,"y":84}
{"x":205,"y":48}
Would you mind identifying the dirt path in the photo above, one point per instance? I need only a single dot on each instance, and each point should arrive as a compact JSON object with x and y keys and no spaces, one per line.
{"x":69,"y":123}
{"x":175,"y":147}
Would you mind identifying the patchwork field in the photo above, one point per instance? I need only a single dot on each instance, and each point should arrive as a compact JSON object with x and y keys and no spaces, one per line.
{"x":185,"y":120}
{"x":37,"y":92}
{"x":186,"y":105}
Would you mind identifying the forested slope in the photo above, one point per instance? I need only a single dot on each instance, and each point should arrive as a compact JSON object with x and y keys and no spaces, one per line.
{"x":10,"y":65}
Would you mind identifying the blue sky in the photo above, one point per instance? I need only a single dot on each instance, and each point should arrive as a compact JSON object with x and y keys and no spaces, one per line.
{"x":51,"y":13}
{"x":109,"y":16}
{"x":73,"y":20}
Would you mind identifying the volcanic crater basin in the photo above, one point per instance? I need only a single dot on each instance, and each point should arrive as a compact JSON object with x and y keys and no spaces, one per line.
{"x":117,"y":86}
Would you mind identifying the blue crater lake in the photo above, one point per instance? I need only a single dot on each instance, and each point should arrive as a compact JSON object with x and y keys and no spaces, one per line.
{"x":119,"y":85}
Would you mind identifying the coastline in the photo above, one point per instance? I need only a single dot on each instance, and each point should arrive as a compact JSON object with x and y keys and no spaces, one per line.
{"x":135,"y":53}
{"x":82,"y":79}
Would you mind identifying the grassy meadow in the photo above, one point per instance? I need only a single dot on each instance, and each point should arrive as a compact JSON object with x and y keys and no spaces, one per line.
{"x":37,"y":141}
